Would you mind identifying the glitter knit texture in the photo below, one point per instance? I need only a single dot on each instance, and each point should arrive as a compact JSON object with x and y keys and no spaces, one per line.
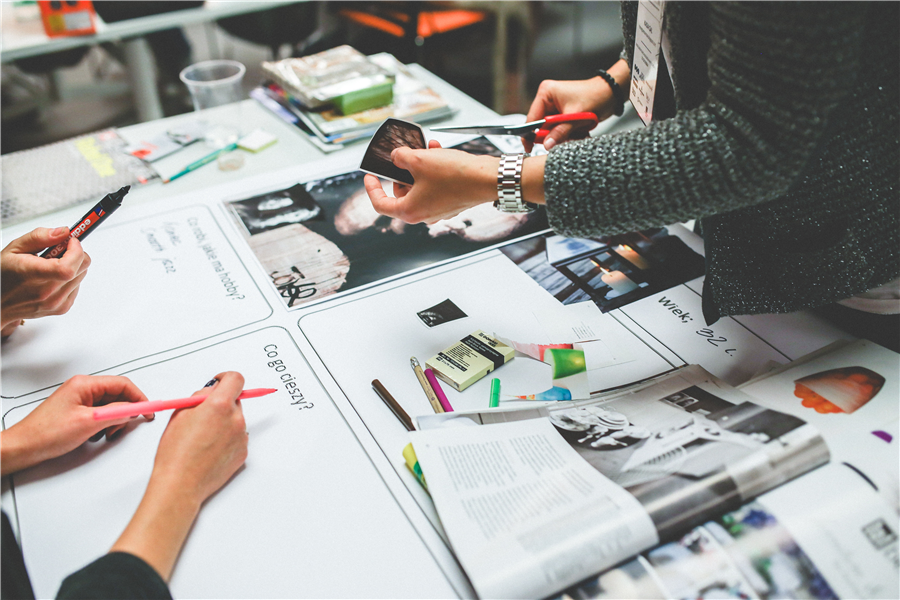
{"x":785,"y":144}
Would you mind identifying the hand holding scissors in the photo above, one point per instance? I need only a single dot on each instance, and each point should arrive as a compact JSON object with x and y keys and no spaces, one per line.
{"x":533,"y":131}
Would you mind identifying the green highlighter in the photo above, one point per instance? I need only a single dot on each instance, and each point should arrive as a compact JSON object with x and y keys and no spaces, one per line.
{"x":495,"y":393}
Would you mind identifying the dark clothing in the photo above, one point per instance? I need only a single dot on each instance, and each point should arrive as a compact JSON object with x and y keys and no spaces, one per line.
{"x":13,"y":576}
{"x":117,"y":575}
{"x":784,"y":144}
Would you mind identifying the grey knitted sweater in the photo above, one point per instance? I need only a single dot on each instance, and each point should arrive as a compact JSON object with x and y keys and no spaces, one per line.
{"x":785,"y":144}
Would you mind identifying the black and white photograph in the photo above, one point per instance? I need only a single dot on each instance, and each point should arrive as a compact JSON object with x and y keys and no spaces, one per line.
{"x":321,"y":237}
{"x":440,"y":313}
{"x":681,"y":455}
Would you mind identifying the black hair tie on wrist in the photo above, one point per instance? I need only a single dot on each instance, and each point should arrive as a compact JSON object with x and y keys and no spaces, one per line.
{"x":617,"y":91}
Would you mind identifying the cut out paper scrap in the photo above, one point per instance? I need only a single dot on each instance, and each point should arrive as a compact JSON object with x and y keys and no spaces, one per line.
{"x":584,"y":322}
{"x":440,"y":313}
{"x":535,"y":351}
{"x":569,"y":370}
{"x":576,"y":368}
{"x":553,"y":394}
{"x":838,"y":390}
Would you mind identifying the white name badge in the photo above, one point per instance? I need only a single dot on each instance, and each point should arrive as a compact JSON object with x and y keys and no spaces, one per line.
{"x":645,"y":66}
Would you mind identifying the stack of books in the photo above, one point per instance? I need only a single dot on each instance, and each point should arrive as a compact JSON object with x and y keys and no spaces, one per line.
{"x":328,"y":126}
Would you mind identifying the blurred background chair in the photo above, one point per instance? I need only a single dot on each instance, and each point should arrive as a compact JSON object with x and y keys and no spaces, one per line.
{"x":407,"y":26}
{"x":294,"y":24}
{"x":455,"y":40}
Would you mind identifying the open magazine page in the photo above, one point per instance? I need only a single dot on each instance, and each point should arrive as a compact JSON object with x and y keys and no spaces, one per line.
{"x":525,"y":516}
{"x":801,"y":540}
{"x":850,"y":395}
{"x":687,"y":448}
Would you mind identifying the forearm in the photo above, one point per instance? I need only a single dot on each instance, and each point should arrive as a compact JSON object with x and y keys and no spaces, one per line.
{"x":19,"y":451}
{"x":159,"y":527}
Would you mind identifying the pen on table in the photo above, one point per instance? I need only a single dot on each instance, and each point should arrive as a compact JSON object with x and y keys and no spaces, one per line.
{"x":134,"y":409}
{"x":495,"y":393}
{"x":393,"y":405}
{"x":442,"y":397}
{"x":203,"y":161}
{"x":426,"y":387}
{"x":107,"y":205}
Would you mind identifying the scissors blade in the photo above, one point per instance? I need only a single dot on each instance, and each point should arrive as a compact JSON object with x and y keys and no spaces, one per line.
{"x":486,"y":129}
{"x":482,"y":129}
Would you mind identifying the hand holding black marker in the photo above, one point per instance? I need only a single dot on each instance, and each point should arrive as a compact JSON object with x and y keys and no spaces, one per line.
{"x":107,"y":205}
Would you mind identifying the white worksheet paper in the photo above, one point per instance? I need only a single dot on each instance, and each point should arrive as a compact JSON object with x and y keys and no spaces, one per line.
{"x":156,"y":283}
{"x":307,"y":516}
{"x":525,"y":514}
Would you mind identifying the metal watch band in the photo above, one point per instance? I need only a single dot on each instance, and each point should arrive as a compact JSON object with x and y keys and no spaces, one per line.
{"x":509,"y":185}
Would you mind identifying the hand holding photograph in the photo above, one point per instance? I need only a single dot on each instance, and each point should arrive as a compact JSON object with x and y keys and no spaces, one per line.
{"x":393,"y":133}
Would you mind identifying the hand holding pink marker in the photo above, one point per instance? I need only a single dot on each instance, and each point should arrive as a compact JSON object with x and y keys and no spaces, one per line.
{"x":142,"y":408}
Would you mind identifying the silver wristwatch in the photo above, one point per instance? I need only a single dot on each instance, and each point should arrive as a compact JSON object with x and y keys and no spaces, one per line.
{"x":509,"y":185}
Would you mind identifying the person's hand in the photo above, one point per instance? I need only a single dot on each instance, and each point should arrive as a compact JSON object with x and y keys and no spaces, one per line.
{"x":65,"y":420}
{"x":35,"y":287}
{"x":588,"y":95}
{"x":203,"y":446}
{"x":446,"y":183}
{"x":560,"y":97}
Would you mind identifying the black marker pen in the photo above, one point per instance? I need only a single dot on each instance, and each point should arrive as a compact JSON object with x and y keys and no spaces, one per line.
{"x":88,"y":222}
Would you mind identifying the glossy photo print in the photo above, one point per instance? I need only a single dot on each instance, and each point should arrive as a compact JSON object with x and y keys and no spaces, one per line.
{"x":609,"y":271}
{"x":393,"y":133}
{"x":322,"y":237}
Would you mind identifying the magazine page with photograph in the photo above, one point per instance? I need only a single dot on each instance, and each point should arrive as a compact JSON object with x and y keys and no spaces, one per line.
{"x":609,"y":271}
{"x":321,"y":237}
{"x":850,"y":395}
{"x":685,"y":448}
{"x":797,"y":541}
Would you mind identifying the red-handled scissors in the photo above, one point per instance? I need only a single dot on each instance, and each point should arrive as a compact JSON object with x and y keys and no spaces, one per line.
{"x":535,"y":131}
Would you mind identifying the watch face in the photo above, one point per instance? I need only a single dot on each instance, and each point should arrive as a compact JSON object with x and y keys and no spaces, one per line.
{"x":393,"y":133}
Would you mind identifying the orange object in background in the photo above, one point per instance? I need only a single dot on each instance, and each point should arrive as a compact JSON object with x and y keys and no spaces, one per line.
{"x":68,"y":17}
{"x":393,"y":22}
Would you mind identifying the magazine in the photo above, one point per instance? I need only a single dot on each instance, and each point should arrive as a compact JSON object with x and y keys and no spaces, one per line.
{"x":797,"y":541}
{"x":831,"y":533}
{"x":413,"y":101}
{"x":548,"y":496}
{"x":318,"y":79}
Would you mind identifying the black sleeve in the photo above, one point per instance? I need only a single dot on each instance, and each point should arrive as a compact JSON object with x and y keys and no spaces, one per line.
{"x":14,"y":577}
{"x":117,"y":575}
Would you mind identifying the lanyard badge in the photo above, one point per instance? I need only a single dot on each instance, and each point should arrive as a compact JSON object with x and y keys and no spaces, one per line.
{"x":645,"y":67}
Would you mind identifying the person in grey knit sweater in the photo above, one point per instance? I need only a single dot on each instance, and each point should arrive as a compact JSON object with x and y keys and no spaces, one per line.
{"x":782,"y":141}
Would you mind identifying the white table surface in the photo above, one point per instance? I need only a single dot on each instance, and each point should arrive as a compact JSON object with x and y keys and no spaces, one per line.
{"x":291,"y":149}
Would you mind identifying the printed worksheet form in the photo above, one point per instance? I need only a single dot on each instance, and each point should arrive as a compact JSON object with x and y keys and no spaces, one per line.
{"x":307,"y":516}
{"x":155,"y":284}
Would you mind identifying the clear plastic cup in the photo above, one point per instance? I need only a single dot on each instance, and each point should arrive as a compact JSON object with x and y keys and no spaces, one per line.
{"x":214,"y":82}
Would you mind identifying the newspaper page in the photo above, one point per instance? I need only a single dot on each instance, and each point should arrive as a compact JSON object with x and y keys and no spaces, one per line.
{"x":686,"y":448}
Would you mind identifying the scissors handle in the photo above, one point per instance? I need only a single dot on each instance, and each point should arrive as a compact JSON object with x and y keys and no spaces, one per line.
{"x":579,"y":120}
